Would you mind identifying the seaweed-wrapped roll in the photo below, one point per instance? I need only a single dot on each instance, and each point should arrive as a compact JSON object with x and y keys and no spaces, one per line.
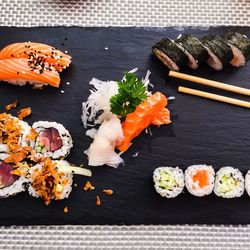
{"x":220,"y":53}
{"x":193,"y":48}
{"x":168,"y":181}
{"x":170,"y":54}
{"x":240,"y":46}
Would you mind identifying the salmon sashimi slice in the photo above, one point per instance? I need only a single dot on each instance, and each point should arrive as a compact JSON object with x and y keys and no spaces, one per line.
{"x":30,"y":50}
{"x":151,"y":111}
{"x":18,"y":71}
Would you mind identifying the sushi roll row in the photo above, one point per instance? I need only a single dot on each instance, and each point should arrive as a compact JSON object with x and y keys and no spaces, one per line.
{"x":201,"y":180}
{"x":215,"y":50}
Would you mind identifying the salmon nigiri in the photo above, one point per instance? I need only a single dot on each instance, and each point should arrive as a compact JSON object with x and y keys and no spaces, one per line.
{"x":151,"y":111}
{"x":20,"y":71}
{"x":30,"y":50}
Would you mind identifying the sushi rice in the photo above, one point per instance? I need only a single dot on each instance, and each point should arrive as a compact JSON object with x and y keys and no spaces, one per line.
{"x":65,"y":137}
{"x":168,"y":181}
{"x":199,"y":180}
{"x":229,"y":183}
{"x":247,"y":182}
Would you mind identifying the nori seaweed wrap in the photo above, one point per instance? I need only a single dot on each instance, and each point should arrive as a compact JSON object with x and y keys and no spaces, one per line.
{"x":170,"y":54}
{"x":240,"y":45}
{"x":193,"y":48}
{"x":220,"y":53}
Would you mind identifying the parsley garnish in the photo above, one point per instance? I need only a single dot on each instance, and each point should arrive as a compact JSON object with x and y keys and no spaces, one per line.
{"x":131,"y":93}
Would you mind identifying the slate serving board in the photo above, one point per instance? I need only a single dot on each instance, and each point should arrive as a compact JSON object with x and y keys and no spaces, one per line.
{"x":202,"y":132}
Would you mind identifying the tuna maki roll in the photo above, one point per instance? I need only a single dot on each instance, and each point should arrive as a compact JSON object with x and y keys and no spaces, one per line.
{"x":199,"y":180}
{"x":220,"y":53}
{"x":193,"y":48}
{"x":240,"y":46}
{"x":10,"y":184}
{"x":53,"y":140}
{"x":170,"y":54}
{"x":168,"y":181}
{"x":229,"y":183}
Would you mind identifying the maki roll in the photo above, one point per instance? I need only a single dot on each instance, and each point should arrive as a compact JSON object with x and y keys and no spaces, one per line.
{"x":193,"y":48}
{"x":199,"y":180}
{"x":229,"y":183}
{"x":52,"y":140}
{"x":168,"y":181}
{"x":48,"y":181}
{"x":170,"y":54}
{"x":10,"y":184}
{"x":247,"y":182}
{"x":220,"y":53}
{"x":240,"y":46}
{"x":13,"y":132}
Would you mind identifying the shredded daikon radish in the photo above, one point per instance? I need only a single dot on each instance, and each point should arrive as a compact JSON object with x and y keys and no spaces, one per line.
{"x":99,"y":99}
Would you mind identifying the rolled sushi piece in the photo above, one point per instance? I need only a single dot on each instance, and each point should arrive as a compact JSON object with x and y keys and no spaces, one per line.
{"x":14,"y":131}
{"x":193,"y":48}
{"x":220,"y":53}
{"x":240,"y":46}
{"x":229,"y":183}
{"x":49,"y":182}
{"x":52,"y":180}
{"x":10,"y":184}
{"x":170,"y":54}
{"x":247,"y":182}
{"x":168,"y":181}
{"x":53,"y":140}
{"x":199,"y":180}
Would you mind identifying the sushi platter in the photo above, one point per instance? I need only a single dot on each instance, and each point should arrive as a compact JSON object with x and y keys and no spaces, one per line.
{"x":94,"y":128}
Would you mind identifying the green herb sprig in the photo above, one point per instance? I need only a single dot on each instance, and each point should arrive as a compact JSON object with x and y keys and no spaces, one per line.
{"x":131,"y":93}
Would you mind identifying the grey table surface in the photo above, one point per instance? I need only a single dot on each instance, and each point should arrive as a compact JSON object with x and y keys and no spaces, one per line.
{"x":125,"y":13}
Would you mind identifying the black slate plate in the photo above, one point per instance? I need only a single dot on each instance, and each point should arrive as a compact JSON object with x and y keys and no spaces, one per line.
{"x":202,"y":131}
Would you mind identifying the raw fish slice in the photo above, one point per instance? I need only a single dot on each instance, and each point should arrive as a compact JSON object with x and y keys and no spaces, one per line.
{"x":18,"y":72}
{"x":145,"y":114}
{"x":53,"y":56}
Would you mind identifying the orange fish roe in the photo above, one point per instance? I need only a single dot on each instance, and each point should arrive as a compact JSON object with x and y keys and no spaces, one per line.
{"x":24,"y":113}
{"x":88,"y":186}
{"x":47,"y":180}
{"x":202,"y":177}
{"x":108,"y":191}
{"x":98,"y":201}
{"x":66,"y":210}
{"x":11,"y":105}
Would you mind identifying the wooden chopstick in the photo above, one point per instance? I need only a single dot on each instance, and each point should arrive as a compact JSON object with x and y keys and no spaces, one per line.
{"x":214,"y":97}
{"x":211,"y":83}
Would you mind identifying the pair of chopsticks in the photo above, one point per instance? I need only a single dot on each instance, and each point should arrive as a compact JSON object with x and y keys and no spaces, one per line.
{"x":214,"y":84}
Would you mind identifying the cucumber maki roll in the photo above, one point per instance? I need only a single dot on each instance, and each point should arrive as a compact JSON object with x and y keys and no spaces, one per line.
{"x":247,"y":182}
{"x":170,"y":54}
{"x":240,"y":46}
{"x":229,"y":183}
{"x":220,"y":53}
{"x":193,"y":48}
{"x":199,"y":180}
{"x":168,"y":181}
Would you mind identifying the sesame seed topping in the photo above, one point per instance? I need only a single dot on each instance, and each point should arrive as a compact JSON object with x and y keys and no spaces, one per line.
{"x":62,"y":91}
{"x":106,"y":48}
{"x":68,"y":83}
